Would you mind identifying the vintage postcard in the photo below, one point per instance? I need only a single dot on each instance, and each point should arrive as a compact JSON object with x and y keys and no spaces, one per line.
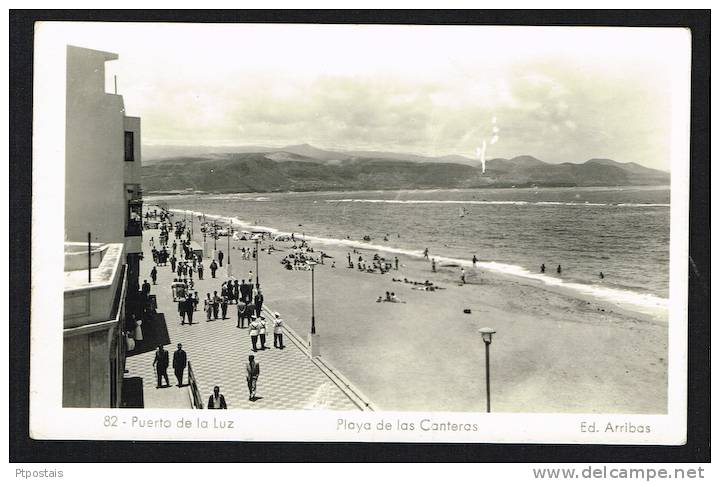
{"x":306,"y":232}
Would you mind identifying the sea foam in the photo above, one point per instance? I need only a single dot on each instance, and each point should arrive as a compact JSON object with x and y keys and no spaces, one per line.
{"x":640,"y":302}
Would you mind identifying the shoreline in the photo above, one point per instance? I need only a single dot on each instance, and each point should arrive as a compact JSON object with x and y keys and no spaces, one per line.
{"x":174,"y":193}
{"x":645,"y":305}
{"x":554,"y":351}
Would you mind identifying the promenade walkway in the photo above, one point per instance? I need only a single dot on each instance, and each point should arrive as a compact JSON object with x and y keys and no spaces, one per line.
{"x":218,"y":351}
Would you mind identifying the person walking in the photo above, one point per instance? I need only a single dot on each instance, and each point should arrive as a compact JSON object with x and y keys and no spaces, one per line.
{"x":173,"y":262}
{"x":224,"y":306}
{"x":213,"y":268}
{"x":220,"y":256}
{"x":216,"y":400}
{"x":145,"y":288}
{"x":182,"y":304}
{"x":262,"y":331}
{"x":153,"y":275}
{"x":259,"y":298}
{"x":236,"y":291}
{"x":161,"y":363}
{"x":474,"y":260}
{"x":253,"y":372}
{"x":559,"y":269}
{"x":215,"y":304}
{"x":542,"y":268}
{"x":208,"y":307}
{"x":200,"y":269}
{"x":189,"y":308}
{"x":434,"y":270}
{"x":278,"y":332}
{"x":396,"y":263}
{"x":462,"y":275}
{"x":245,"y":292}
{"x":254,"y":332}
{"x":179,"y":364}
{"x":425,"y":253}
{"x":241,"y":307}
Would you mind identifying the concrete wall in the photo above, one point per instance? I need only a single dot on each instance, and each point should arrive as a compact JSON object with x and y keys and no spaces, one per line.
{"x":94,"y":148}
{"x":87,"y":363}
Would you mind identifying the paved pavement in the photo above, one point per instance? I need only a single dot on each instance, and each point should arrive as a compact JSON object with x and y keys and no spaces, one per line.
{"x":218,"y":351}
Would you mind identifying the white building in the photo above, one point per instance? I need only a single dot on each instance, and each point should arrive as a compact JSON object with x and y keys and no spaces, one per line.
{"x":103,"y":200}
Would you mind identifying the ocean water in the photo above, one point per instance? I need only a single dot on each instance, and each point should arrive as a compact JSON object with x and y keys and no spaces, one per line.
{"x":623,"y":232}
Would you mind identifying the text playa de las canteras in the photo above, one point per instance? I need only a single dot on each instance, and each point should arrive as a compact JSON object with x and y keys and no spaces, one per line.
{"x":401,"y":425}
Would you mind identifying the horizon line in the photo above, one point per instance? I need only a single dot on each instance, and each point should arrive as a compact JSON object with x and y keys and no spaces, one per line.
{"x":343,"y":150}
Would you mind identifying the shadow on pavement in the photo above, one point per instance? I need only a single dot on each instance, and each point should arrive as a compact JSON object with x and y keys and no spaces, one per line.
{"x":132,"y":393}
{"x":154,"y":333}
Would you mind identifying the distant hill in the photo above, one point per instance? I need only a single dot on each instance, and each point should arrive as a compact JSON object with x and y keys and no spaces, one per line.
{"x":307,"y":168}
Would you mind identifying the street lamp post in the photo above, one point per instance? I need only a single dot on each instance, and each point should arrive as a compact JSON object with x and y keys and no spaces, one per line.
{"x":257,"y":263}
{"x":487,"y":334}
{"x":314,"y":347}
{"x":229,"y":267}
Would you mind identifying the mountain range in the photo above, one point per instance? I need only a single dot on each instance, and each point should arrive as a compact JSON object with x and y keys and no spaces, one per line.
{"x":308,"y":168}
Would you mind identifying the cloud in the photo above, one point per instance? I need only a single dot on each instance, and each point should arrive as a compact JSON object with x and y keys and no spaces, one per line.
{"x":552,"y":109}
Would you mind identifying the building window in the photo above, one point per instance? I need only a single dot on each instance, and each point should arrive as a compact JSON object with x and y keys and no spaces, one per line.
{"x":129,"y":146}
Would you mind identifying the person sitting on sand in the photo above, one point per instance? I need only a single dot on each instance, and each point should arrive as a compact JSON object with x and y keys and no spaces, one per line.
{"x":379,"y":299}
{"x":387,"y":296}
{"x":394,"y":299}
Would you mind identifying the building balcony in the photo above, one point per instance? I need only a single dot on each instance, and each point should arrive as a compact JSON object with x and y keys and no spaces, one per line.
{"x":94,"y":299}
{"x":133,"y":228}
{"x":93,"y":324}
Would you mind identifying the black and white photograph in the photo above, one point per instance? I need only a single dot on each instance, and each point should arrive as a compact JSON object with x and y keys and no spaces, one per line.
{"x":417,"y":233}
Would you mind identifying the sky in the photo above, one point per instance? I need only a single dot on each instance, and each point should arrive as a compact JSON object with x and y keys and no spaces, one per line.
{"x":559,"y":94}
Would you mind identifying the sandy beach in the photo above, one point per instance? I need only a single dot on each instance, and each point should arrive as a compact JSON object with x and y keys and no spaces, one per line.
{"x":554,"y":351}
